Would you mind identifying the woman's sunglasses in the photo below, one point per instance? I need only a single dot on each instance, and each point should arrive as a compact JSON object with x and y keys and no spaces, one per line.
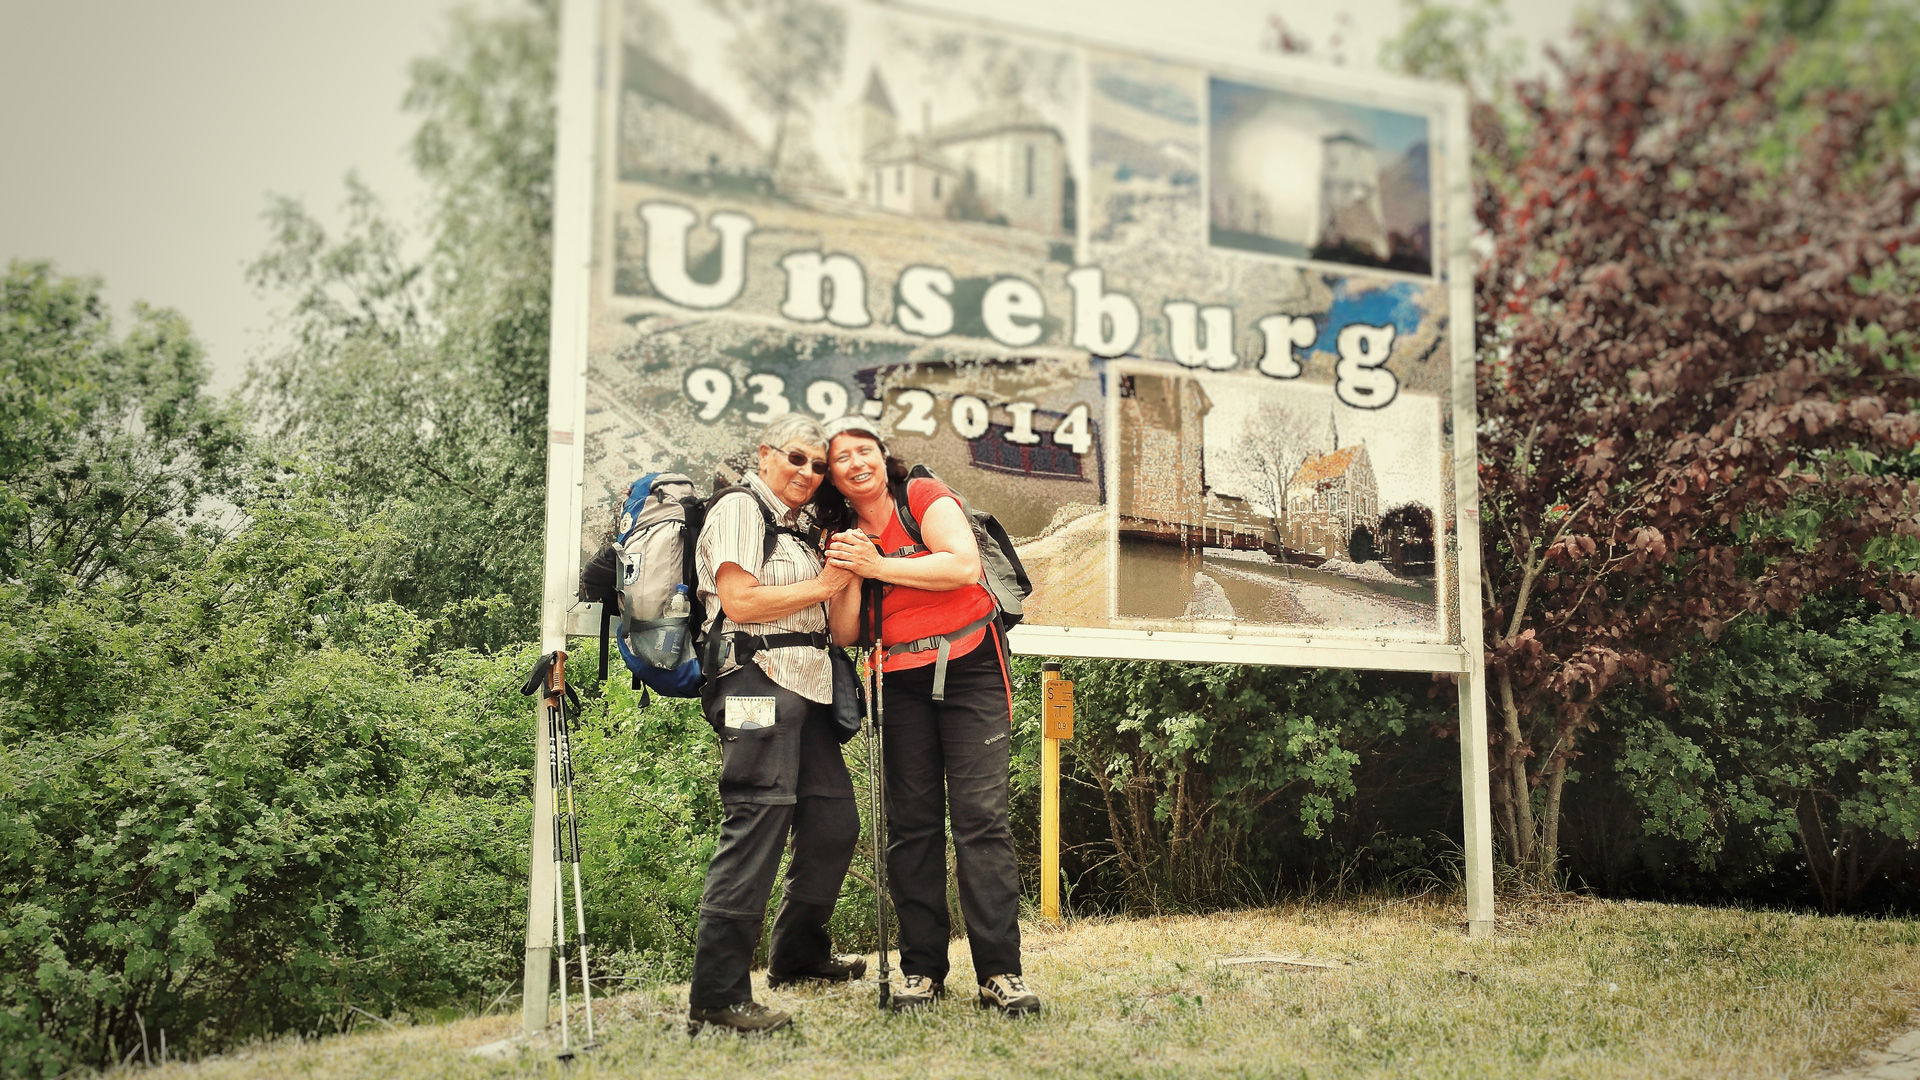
{"x":800,"y":461}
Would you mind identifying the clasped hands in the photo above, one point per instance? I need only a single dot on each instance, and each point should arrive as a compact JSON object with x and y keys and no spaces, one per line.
{"x":855,"y":552}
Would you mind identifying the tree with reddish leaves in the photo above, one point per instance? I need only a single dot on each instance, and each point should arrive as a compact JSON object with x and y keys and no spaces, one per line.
{"x":1700,"y":335}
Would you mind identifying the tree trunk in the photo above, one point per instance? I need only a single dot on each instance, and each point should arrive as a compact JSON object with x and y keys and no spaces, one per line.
{"x":1114,"y":826}
{"x":1516,"y":764}
{"x":1178,"y":857}
{"x":1820,"y":862}
{"x":1140,"y":805}
{"x":1549,"y":854}
{"x":1503,"y":809}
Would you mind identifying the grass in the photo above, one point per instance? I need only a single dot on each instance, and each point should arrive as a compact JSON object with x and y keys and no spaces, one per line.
{"x":1569,"y":988}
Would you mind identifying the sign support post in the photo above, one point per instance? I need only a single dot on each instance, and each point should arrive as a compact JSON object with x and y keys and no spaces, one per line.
{"x":535,"y":976}
{"x":1056,"y":724}
{"x":1476,"y":798}
{"x":1476,"y":803}
{"x":566,"y":411}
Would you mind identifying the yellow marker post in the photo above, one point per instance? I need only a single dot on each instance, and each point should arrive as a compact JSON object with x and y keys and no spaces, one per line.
{"x":1056,"y":723}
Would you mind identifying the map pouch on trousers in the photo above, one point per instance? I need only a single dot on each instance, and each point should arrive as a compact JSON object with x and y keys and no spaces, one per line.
{"x":849,"y":696}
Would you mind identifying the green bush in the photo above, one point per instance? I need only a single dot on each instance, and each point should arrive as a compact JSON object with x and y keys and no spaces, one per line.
{"x":197,"y":795}
{"x":1792,"y":739}
{"x":650,"y":819}
{"x":1197,"y":784}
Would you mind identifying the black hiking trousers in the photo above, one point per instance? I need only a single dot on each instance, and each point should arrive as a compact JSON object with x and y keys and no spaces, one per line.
{"x":943,"y":756}
{"x":785,"y":783}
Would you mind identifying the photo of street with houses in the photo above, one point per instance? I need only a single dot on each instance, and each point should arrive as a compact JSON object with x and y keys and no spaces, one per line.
{"x":1274,"y":504}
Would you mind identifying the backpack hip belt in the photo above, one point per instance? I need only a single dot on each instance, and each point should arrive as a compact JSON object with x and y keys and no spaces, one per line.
{"x":745,"y":645}
{"x":942,"y":644}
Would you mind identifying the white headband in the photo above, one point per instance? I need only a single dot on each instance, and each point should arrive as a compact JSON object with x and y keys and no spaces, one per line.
{"x":855,"y":424}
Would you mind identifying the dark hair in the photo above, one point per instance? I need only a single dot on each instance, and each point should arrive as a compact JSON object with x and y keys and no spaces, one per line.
{"x":831,"y":509}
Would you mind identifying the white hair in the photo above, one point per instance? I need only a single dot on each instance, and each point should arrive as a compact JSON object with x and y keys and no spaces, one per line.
{"x":793,"y":427}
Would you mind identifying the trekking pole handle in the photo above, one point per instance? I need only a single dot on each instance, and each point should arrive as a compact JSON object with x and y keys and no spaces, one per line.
{"x":557,"y":674}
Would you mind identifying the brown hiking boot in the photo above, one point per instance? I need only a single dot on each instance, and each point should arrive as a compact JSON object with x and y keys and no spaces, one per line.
{"x":1009,"y":994}
{"x":916,"y":991}
{"x":834,"y":969}
{"x":741,"y":1018}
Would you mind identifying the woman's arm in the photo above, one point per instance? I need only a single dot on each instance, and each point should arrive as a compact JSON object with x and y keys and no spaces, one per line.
{"x":745,"y":600}
{"x":843,"y":613}
{"x":952,"y":560}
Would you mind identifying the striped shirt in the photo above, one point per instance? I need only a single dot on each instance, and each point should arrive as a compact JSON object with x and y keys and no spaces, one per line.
{"x":736,"y":533}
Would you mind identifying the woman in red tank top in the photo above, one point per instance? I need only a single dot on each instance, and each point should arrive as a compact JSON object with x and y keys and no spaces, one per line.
{"x":948,"y":713}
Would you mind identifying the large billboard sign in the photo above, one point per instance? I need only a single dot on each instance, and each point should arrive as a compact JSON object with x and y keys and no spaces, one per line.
{"x":1195,"y":330}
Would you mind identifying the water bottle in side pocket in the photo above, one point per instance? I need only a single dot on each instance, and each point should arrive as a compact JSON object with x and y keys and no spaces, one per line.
{"x":666,"y":640}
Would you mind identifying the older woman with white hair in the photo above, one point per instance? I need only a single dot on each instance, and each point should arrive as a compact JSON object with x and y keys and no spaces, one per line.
{"x":775,"y":607}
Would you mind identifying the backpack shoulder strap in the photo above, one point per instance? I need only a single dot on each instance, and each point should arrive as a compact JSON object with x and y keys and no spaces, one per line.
{"x":901,"y":503}
{"x":905,"y":511}
{"x":773,"y":529}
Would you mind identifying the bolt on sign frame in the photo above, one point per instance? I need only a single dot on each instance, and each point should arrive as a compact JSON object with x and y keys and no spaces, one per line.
{"x":1196,"y":327}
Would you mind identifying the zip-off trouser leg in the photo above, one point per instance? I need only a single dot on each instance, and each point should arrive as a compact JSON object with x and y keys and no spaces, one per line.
{"x":826,"y":831}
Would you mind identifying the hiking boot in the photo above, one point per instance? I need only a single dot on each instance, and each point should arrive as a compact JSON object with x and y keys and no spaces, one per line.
{"x":834,"y":969}
{"x":915,"y":991}
{"x":741,"y":1018}
{"x":1009,"y":994}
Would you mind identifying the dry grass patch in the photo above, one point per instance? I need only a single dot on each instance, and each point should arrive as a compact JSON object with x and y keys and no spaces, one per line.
{"x":1571,"y":988}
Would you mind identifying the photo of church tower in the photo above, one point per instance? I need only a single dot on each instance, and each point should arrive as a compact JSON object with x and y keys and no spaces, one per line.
{"x":1303,"y":177}
{"x":1351,"y":218}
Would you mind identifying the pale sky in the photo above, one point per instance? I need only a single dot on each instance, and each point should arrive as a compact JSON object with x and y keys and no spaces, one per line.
{"x":141,"y":140}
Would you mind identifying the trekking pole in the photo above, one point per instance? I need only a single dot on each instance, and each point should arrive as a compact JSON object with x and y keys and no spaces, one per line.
{"x":559,"y":693}
{"x":877,"y":796}
{"x":559,"y":852}
{"x":548,"y":678}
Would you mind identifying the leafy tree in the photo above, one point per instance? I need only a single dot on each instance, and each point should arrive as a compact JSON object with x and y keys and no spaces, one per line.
{"x":1699,"y":358}
{"x":196,"y":844}
{"x":1457,"y":44}
{"x":110,"y":454}
{"x":422,"y":378}
{"x":1867,"y":45}
{"x":244,"y":799}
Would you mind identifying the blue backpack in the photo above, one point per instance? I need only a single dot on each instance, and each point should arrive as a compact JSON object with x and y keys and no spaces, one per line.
{"x":647,"y":575}
{"x":660,"y":615}
{"x":645,"y":579}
